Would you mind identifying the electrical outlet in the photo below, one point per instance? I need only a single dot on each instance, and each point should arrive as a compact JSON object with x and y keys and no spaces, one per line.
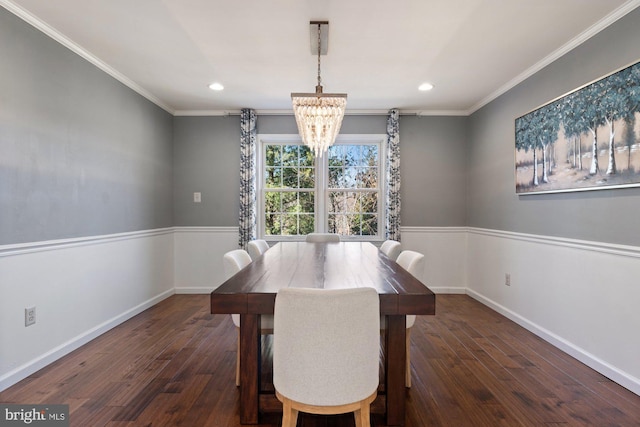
{"x":197,"y":197}
{"x":29,"y":316}
{"x":507,"y":279}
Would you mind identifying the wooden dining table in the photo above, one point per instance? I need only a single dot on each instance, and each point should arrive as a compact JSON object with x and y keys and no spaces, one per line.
{"x":252,"y":291}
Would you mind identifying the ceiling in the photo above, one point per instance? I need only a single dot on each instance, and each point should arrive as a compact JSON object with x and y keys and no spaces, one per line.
{"x":379,"y":52}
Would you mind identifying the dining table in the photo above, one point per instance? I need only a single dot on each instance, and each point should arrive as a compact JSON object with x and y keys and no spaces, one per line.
{"x":252,"y":291}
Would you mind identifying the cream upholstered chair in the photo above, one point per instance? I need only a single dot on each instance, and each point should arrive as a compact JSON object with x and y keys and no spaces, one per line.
{"x":323,"y":237}
{"x":233,"y":262}
{"x":391,"y":249}
{"x":413,"y":262}
{"x":326,"y":348}
{"x":256,"y":248}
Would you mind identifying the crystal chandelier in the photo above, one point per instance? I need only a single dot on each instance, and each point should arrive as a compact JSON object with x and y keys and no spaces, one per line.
{"x":319,"y":115}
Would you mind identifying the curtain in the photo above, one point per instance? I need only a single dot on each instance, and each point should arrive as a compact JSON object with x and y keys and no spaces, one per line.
{"x":248,"y":201}
{"x":392,"y":214}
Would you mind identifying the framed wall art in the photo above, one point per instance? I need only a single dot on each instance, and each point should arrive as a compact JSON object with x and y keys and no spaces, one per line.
{"x":588,"y":139}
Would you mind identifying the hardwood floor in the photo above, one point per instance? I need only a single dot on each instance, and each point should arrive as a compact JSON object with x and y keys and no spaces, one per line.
{"x":174,"y":365}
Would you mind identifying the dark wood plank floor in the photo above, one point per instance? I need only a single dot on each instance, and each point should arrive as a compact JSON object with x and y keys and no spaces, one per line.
{"x":173,"y":365}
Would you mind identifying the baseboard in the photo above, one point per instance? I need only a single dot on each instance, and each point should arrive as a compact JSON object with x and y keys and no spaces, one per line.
{"x":611,"y":372}
{"x":51,"y":356}
{"x":459,"y":290}
{"x":193,"y":290}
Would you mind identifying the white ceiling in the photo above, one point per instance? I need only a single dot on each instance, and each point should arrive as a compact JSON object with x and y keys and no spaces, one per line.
{"x":379,"y":51}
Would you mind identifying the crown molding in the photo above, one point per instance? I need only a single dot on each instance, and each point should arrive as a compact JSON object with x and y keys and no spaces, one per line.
{"x":26,"y":16}
{"x":82,"y":52}
{"x":563,"y":50}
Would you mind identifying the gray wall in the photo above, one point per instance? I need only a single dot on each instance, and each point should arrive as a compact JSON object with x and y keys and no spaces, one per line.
{"x":80,"y":154}
{"x":433,"y":171}
{"x":606,"y":215}
{"x":207,"y":160}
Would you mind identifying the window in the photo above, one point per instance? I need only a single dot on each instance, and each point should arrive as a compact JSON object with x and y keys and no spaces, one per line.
{"x":340,"y":192}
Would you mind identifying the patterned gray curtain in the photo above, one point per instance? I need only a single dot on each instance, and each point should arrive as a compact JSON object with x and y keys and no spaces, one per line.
{"x":248,"y":201}
{"x":392,"y":215}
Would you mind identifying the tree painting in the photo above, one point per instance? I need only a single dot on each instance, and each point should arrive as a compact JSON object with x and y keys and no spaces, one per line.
{"x":585,"y":140}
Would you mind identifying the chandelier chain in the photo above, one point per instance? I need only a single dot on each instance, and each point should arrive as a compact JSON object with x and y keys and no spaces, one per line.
{"x":319,"y":78}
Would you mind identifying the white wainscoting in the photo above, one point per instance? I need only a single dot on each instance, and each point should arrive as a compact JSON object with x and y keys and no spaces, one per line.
{"x":81,"y":288}
{"x":582,"y":297}
{"x":198,"y":253}
{"x":445,"y":252}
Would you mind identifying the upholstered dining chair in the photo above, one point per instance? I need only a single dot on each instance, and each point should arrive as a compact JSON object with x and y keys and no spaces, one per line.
{"x":233,"y":262}
{"x":413,"y":262}
{"x":333,"y":370}
{"x":256,"y":248}
{"x":323,"y":237}
{"x":391,"y":249}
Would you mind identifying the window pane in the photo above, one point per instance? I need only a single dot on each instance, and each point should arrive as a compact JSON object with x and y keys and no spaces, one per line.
{"x":369,"y":225}
{"x":342,"y":177}
{"x":289,"y":202}
{"x":352,"y":202}
{"x":334,"y":177}
{"x":353,"y":224}
{"x":290,"y":155}
{"x":307,"y":223}
{"x":306,"y":156}
{"x":367,"y":177}
{"x":290,"y":177}
{"x":307,"y":202}
{"x":272,"y":224}
{"x":369,"y":202}
{"x":351,"y":155}
{"x":289,"y":224}
{"x":273,"y":156}
{"x":273,"y":177}
{"x":307,"y":178}
{"x":337,"y":202}
{"x":335,"y":155}
{"x":370,"y":156}
{"x":272,"y":202}
{"x":337,"y":224}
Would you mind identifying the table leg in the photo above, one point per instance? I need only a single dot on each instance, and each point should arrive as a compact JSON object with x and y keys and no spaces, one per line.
{"x":249,"y":368}
{"x":395,"y":369}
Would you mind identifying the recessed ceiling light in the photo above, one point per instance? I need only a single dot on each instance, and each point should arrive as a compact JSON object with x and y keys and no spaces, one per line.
{"x":425,"y":86}
{"x":216,"y":86}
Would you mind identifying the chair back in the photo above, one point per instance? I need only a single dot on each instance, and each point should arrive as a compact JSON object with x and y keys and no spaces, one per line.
{"x":256,"y":248}
{"x":391,"y":249}
{"x":412,"y":261}
{"x":235,"y":261}
{"x":323,"y":237}
{"x":326,"y":345}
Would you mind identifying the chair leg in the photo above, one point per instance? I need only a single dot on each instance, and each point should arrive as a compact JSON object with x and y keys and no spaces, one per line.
{"x":407,"y":380}
{"x":362,"y":415}
{"x":289,"y":414}
{"x":238,"y":361}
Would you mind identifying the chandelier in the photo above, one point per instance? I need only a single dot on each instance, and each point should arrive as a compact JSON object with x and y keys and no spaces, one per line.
{"x":319,"y":115}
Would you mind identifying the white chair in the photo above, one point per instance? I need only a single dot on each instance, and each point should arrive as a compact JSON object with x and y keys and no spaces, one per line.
{"x":413,"y":262}
{"x":233,"y":262}
{"x":256,"y":248}
{"x":391,"y":249}
{"x":326,"y":348}
{"x":323,"y":237}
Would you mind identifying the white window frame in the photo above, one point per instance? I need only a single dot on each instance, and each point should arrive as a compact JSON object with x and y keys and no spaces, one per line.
{"x":321,"y":191}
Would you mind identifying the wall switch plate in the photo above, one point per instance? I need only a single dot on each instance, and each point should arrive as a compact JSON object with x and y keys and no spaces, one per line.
{"x":197,"y":197}
{"x":507,"y":279}
{"x":29,"y":316}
